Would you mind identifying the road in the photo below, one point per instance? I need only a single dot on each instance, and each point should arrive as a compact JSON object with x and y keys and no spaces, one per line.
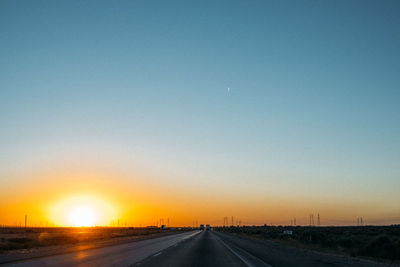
{"x":119,"y":255}
{"x":197,"y":248}
{"x":211,"y":248}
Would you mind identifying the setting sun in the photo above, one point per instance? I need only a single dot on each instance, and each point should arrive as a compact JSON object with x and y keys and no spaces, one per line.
{"x":82,"y":216}
{"x":81,"y":211}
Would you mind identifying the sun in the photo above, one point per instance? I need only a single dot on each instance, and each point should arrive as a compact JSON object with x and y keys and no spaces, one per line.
{"x":80,"y":216}
{"x":82,"y":211}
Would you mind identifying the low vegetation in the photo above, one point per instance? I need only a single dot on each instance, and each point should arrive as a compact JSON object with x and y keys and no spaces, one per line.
{"x":382,"y":242}
{"x":20,"y":238}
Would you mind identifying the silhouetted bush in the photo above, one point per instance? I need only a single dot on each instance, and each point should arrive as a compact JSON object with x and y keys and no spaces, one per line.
{"x":345,"y":242}
{"x":382,"y":246}
{"x":20,"y":240}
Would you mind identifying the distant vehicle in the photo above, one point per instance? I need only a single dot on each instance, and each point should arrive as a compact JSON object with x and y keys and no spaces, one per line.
{"x":208,"y":227}
{"x":288,"y":232}
{"x":201,"y":226}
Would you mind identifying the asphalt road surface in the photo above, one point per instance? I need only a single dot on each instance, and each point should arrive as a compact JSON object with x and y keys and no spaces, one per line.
{"x":197,"y":248}
{"x":119,"y":255}
{"x":211,"y":248}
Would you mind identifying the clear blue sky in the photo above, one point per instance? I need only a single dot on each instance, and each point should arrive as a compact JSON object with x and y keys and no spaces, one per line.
{"x":314,"y":99}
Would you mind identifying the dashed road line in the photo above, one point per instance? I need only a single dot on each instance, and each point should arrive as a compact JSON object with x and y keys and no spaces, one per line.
{"x":259,"y":262}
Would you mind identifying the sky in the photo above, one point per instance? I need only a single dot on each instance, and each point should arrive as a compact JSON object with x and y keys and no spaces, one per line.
{"x":127,"y":103}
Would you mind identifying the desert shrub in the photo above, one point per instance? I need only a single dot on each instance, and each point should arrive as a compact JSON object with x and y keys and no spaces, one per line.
{"x":345,"y":242}
{"x":328,"y":242}
{"x":382,"y":246}
{"x":20,"y":240}
{"x":47,"y":239}
{"x":18,"y":243}
{"x":11,"y":246}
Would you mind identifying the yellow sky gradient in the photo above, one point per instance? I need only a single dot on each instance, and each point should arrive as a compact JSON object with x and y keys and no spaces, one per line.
{"x":141,"y":199}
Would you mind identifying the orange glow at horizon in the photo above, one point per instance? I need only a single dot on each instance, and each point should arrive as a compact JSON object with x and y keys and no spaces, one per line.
{"x":99,"y":196}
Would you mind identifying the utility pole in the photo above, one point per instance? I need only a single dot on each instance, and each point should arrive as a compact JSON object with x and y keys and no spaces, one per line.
{"x":26,"y":221}
{"x":311,"y":219}
{"x":319,"y":221}
{"x":232,"y":220}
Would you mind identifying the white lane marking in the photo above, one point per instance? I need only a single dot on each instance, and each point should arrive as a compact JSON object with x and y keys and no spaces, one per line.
{"x":189,"y":236}
{"x":249,"y":264}
{"x":184,"y":238}
{"x":176,"y":244}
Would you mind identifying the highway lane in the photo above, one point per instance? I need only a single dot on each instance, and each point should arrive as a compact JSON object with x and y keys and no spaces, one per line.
{"x":119,"y":255}
{"x":211,"y":248}
{"x":204,"y":249}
